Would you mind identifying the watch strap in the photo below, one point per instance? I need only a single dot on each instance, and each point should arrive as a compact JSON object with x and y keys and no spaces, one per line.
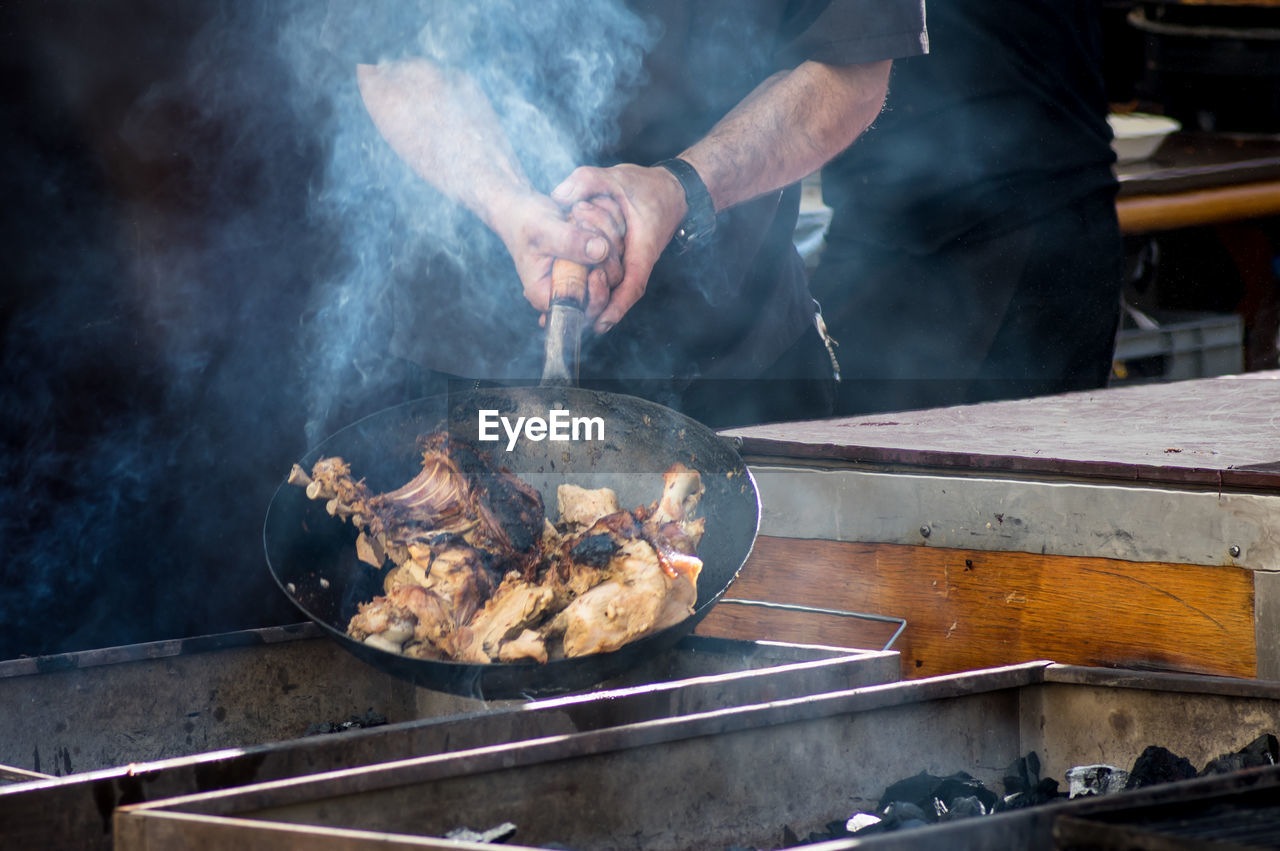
{"x":700,"y":221}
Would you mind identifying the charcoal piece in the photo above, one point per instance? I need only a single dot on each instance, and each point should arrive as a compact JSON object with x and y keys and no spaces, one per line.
{"x":1047,"y":790}
{"x":354,"y":722}
{"x":1264,"y":750}
{"x":917,"y":789}
{"x":1023,"y":785}
{"x":1042,"y":793}
{"x":924,"y":789}
{"x":962,"y":785}
{"x":1225,"y":764}
{"x":1089,"y":780}
{"x":1158,"y":765}
{"x":903,"y":815}
{"x":1022,"y":775}
{"x":506,"y":830}
{"x":1020,"y":779}
{"x":1266,"y":747}
{"x":962,"y":807}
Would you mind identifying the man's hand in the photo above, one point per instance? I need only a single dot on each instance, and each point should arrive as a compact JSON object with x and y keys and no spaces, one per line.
{"x":650,"y":202}
{"x":442,"y":125}
{"x":788,"y":127}
{"x":536,"y":232}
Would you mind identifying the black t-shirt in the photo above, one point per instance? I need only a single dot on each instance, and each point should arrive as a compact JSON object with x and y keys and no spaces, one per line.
{"x":1003,"y":121}
{"x":728,"y":310}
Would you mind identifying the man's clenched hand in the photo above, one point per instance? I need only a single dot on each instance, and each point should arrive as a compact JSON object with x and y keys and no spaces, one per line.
{"x":536,"y":232}
{"x":650,"y":203}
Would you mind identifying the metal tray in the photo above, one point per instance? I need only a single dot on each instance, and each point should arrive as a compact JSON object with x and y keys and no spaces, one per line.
{"x":150,"y":721}
{"x":739,"y":776}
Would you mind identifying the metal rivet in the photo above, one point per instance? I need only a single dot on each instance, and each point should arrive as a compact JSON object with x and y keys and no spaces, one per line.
{"x":1235,"y":551}
{"x":925,"y":531}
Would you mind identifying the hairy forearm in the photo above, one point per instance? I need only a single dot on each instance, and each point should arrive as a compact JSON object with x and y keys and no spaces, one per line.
{"x":442,"y":125}
{"x":786,"y":129}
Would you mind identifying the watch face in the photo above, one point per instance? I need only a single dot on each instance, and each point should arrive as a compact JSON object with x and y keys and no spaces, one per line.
{"x":699,"y":224}
{"x":691,"y":234}
{"x":701,"y":218}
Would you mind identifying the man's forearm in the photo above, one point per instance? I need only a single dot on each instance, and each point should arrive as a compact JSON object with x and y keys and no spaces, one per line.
{"x":786,"y":129}
{"x":442,"y":125}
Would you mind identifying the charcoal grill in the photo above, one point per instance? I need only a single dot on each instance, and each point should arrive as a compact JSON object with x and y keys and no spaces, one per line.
{"x":149,"y":721}
{"x":742,"y":776}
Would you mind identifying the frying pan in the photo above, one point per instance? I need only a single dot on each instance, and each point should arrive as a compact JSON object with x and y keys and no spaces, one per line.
{"x":312,"y":555}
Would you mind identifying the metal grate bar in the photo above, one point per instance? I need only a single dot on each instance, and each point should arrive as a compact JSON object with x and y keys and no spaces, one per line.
{"x":814,"y":610}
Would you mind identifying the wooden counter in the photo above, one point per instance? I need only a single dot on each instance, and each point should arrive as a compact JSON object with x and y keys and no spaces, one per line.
{"x":1147,"y":213}
{"x":1212,"y":433}
{"x":1196,"y":179}
{"x":1133,"y":527}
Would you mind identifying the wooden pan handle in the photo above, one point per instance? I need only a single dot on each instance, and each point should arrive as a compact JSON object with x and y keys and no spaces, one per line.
{"x":569,"y":283}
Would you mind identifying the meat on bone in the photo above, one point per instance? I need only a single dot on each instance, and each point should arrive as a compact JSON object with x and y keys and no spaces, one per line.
{"x":478,"y":573}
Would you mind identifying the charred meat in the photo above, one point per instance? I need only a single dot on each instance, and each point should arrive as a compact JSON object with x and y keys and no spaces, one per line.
{"x":457,"y":495}
{"x":478,"y":573}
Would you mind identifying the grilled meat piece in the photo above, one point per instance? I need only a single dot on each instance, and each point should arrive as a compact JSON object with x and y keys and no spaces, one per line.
{"x":681,"y":490}
{"x":457,"y":494}
{"x":409,"y":617}
{"x":580,"y":507}
{"x":516,"y":606}
{"x":383,"y":624}
{"x":638,"y":598}
{"x":593,"y":581}
{"x":510,"y":510}
{"x":581,"y":560}
{"x":454,"y":572}
{"x":527,"y":645}
{"x":672,"y":529}
{"x":651,"y":579}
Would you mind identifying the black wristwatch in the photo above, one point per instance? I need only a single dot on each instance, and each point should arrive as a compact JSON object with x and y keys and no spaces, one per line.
{"x":700,"y":222}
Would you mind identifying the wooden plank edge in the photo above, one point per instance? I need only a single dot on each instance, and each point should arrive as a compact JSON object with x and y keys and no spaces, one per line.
{"x":1147,"y":213}
{"x":768,"y":451}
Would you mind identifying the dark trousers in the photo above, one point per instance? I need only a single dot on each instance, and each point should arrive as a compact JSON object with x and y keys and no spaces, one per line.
{"x":1029,"y":312}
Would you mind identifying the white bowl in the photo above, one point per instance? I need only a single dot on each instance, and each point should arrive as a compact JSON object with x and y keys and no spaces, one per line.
{"x":1136,"y":135}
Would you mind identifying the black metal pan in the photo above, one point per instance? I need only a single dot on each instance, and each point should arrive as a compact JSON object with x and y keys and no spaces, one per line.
{"x":312,"y":555}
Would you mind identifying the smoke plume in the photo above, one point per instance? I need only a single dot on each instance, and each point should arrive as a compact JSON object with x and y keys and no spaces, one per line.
{"x":201,"y":232}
